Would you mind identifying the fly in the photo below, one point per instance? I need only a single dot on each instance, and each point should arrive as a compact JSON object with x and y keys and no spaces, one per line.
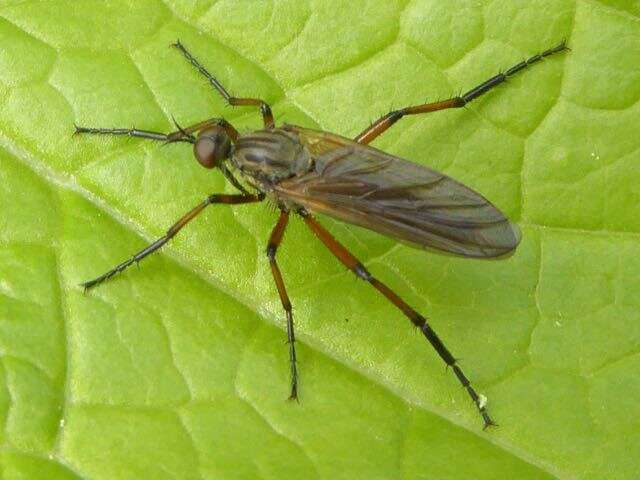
{"x":305,"y":171}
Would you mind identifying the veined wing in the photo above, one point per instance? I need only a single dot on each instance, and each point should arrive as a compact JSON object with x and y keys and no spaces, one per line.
{"x":367,"y":187}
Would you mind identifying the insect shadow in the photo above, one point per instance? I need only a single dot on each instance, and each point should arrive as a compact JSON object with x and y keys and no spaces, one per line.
{"x":307,"y":171}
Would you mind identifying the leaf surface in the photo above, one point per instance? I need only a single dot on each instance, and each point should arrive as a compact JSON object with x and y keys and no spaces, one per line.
{"x":180,"y":369}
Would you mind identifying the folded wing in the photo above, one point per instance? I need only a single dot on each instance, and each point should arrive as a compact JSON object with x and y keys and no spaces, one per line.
{"x":367,"y":187}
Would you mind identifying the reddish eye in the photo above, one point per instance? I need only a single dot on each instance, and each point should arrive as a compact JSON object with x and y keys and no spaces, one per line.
{"x":205,"y":151}
{"x":212,"y":147}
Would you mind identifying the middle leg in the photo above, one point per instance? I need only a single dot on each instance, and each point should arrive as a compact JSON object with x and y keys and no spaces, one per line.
{"x":172,"y":232}
{"x":274,"y":242}
{"x":385,"y":122}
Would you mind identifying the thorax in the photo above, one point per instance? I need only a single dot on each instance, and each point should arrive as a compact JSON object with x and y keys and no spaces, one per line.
{"x":266,"y":157}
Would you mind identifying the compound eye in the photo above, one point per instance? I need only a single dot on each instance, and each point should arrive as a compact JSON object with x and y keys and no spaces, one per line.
{"x":212,"y":146}
{"x":205,"y":151}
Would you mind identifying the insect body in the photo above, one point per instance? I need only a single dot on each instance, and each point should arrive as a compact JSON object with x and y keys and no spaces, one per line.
{"x":307,"y":171}
{"x":267,"y":157}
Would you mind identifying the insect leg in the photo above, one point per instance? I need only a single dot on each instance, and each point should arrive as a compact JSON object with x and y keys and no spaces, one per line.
{"x":385,"y":122}
{"x":265,"y":109}
{"x":180,"y":135}
{"x":272,"y":247}
{"x":175,"y":228}
{"x":129,"y":132}
{"x":418,"y":320}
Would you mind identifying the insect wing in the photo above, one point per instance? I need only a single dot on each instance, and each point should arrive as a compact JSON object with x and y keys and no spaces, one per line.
{"x":367,"y":187}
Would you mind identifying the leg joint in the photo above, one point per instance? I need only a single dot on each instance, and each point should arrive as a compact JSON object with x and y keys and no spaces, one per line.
{"x":272,"y":248}
{"x":288,"y":308}
{"x":265,"y":109}
{"x":362,"y":272}
{"x":418,"y":320}
{"x":395,"y":115}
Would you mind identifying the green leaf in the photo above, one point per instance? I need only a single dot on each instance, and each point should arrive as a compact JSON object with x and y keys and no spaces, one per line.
{"x":180,"y":369}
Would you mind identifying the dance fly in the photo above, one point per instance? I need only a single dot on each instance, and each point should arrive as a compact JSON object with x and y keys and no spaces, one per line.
{"x":305,"y":172}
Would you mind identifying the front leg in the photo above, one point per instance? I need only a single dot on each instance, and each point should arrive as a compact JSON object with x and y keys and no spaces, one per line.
{"x":265,"y":109}
{"x":179,"y":135}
